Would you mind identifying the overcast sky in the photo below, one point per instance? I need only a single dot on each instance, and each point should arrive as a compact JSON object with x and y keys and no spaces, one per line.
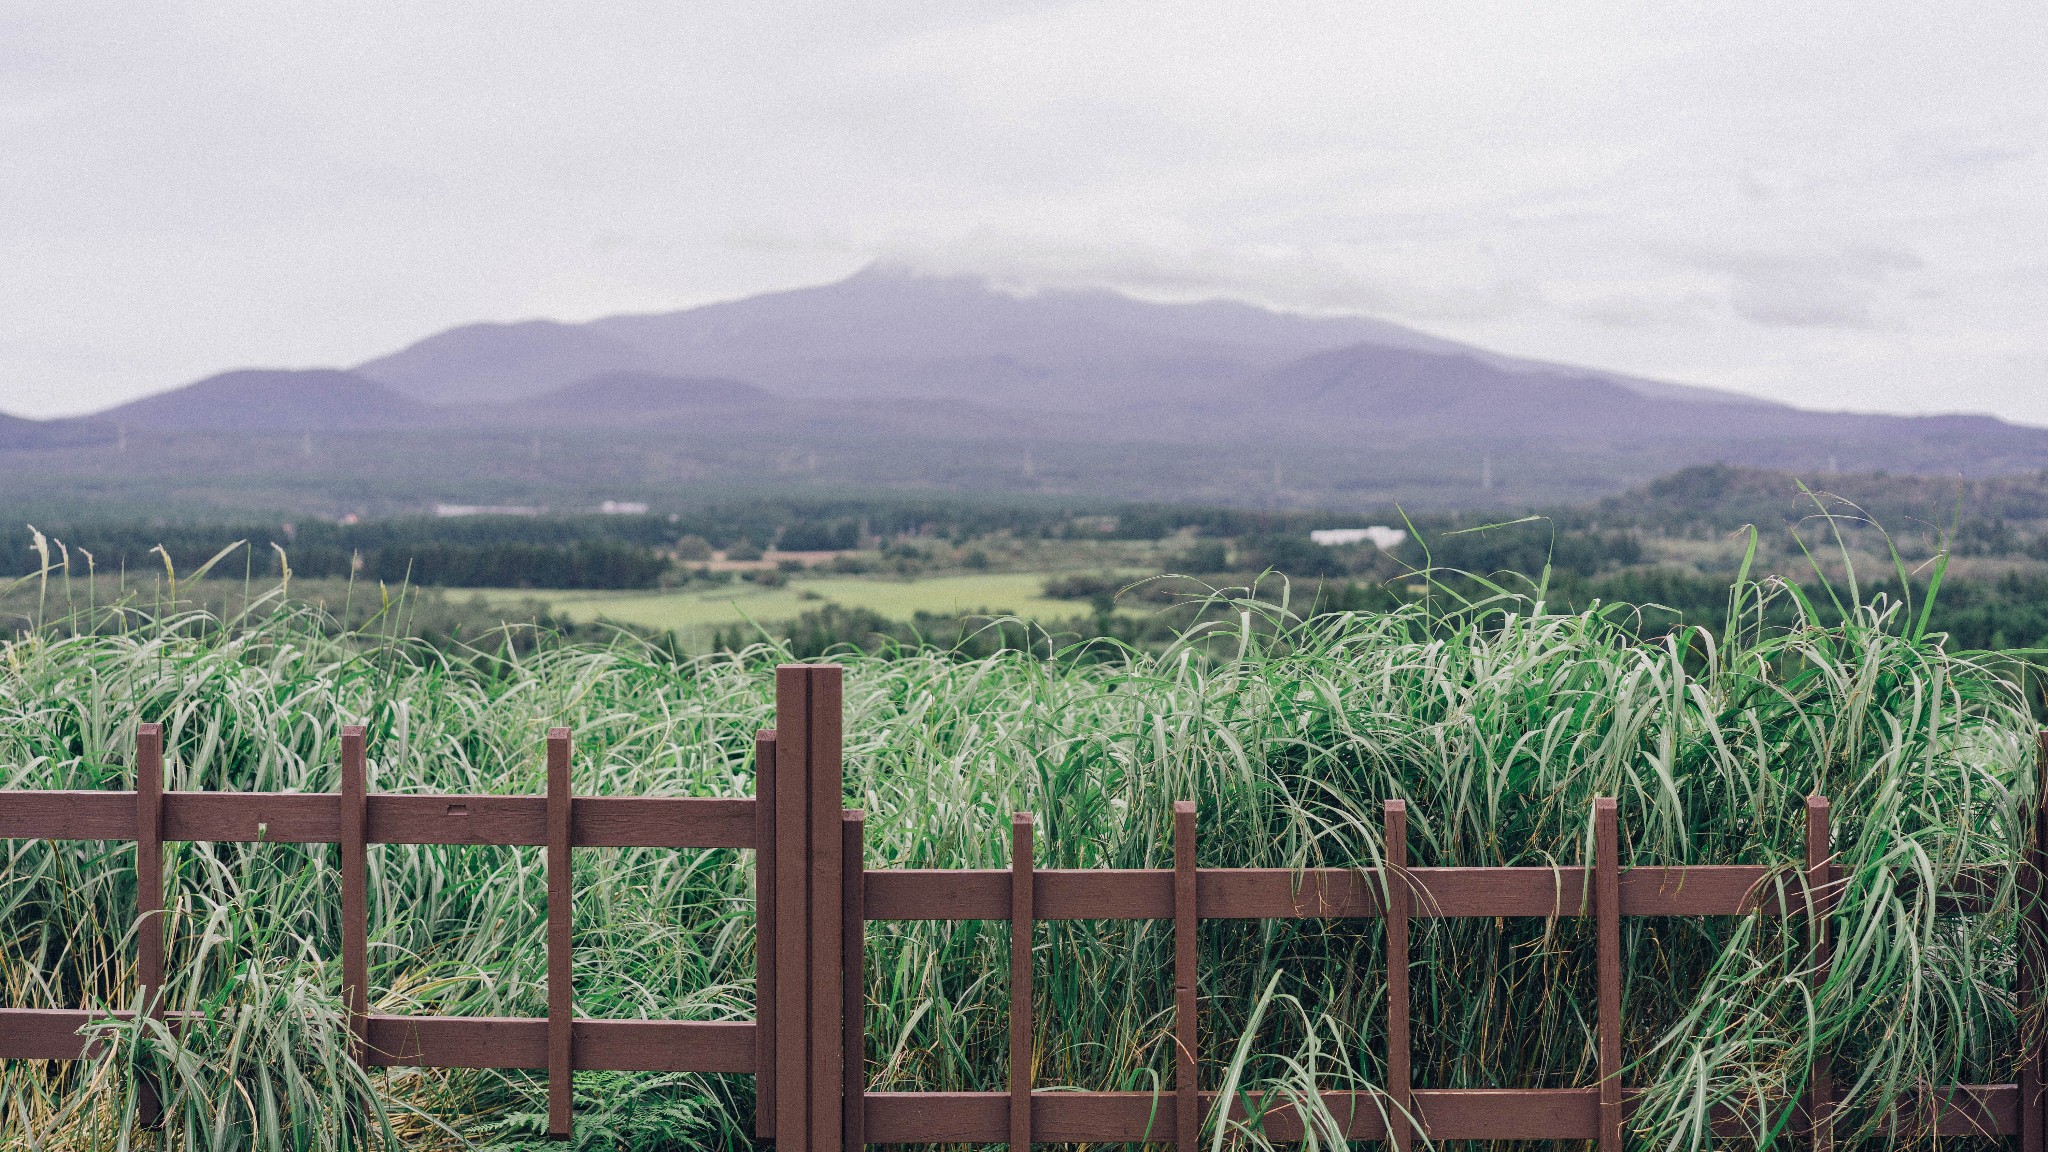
{"x":1837,"y":204}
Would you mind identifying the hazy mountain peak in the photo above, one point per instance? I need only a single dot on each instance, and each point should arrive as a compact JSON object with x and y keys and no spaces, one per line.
{"x":892,"y":331}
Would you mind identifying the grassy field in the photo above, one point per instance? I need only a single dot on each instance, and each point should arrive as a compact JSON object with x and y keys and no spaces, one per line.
{"x":1498,"y":726}
{"x":693,"y":611}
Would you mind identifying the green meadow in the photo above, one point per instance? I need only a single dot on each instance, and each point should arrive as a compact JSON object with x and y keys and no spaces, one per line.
{"x":695,"y":609}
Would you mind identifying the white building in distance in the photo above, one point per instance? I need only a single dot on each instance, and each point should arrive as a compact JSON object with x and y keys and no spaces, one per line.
{"x":446,"y":510}
{"x":1386,"y":538}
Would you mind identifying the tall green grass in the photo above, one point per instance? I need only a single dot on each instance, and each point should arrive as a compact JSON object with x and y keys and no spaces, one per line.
{"x":1498,"y":723}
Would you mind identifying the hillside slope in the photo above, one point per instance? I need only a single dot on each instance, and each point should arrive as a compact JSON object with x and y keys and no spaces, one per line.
{"x":493,"y":363}
{"x":272,"y":400}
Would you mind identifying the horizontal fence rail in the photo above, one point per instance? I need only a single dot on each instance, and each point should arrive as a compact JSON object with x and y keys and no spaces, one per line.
{"x":1346,"y":893}
{"x":814,"y":896}
{"x":316,"y":818}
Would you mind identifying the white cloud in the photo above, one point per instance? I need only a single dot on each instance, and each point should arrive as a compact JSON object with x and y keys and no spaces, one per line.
{"x":1836,"y":288}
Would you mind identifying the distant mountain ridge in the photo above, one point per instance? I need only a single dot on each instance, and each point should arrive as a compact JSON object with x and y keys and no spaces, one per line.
{"x":948,"y":382}
{"x":1105,"y":363}
{"x":883,"y":334}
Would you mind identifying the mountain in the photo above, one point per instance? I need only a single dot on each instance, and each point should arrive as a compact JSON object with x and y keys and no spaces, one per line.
{"x":272,"y":400}
{"x":1384,"y":397}
{"x":950,"y":384}
{"x":886,"y":334}
{"x":1416,"y":395}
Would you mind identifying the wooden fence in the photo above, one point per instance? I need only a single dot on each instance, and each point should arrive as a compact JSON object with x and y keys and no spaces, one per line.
{"x":814,"y":896}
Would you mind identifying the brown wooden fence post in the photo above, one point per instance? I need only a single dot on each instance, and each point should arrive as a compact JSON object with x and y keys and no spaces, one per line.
{"x":1607,"y":913}
{"x":1022,"y":918}
{"x":1400,"y":1081}
{"x":355,"y":903}
{"x":1820,"y":1095}
{"x":764,"y":934}
{"x":2033,"y":962}
{"x":808,"y":936}
{"x":149,"y":896}
{"x":792,"y":1091}
{"x":828,"y":1042}
{"x":561,"y":974}
{"x":853,"y":936}
{"x":1187,"y":1083}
